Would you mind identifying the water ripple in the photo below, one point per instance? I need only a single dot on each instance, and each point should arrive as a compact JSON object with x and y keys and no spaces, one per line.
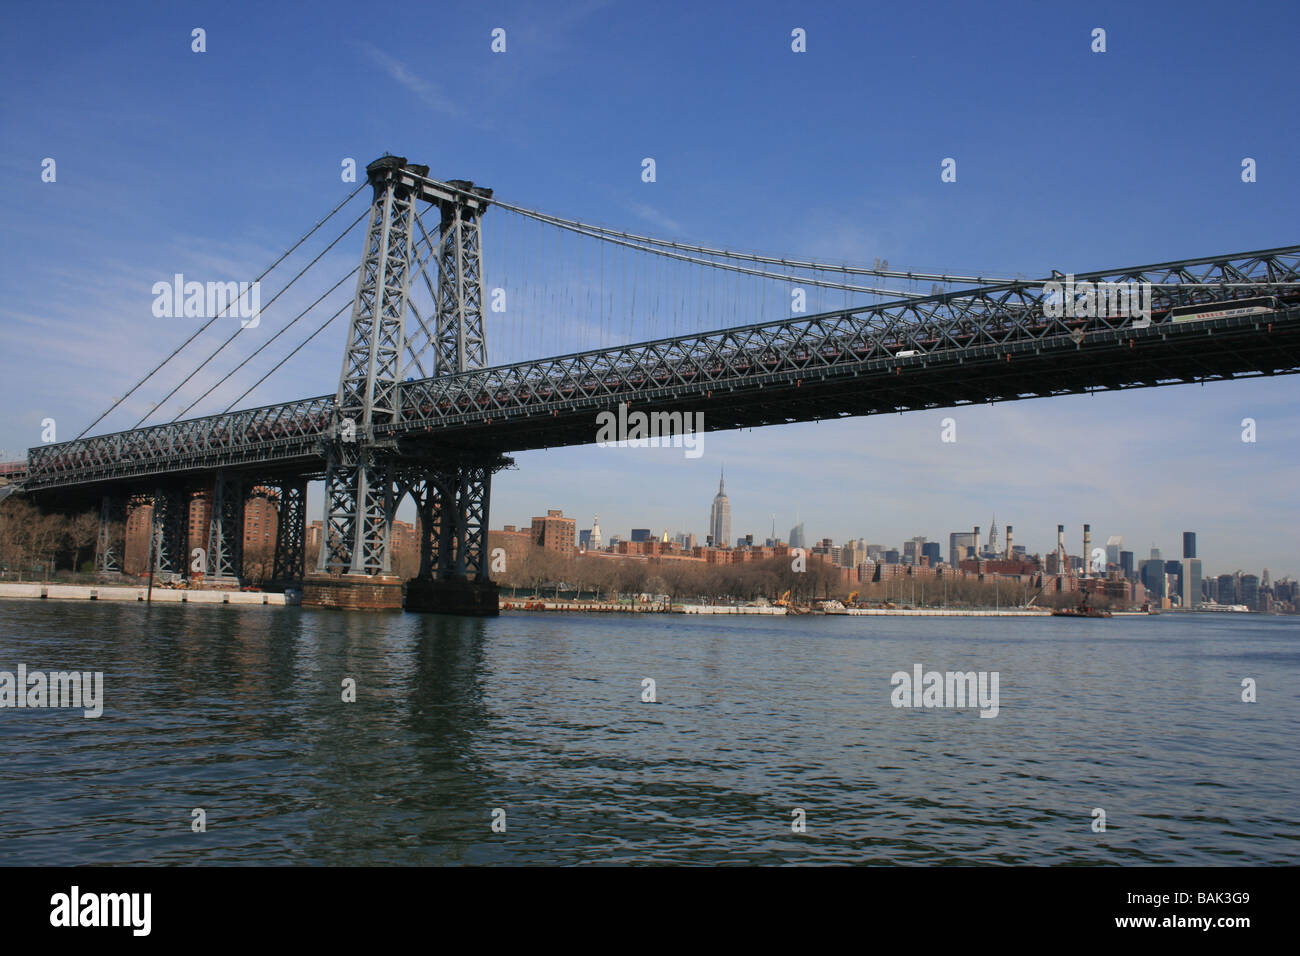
{"x":238,"y":711}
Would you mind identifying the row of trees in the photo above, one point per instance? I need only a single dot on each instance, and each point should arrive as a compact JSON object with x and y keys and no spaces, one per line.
{"x":548,"y":573}
{"x":36,"y":544}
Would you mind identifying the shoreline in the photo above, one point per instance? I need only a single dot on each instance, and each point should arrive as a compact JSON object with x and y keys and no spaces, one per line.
{"x":767,"y":611}
{"x":38,"y":590}
{"x":944,"y":612}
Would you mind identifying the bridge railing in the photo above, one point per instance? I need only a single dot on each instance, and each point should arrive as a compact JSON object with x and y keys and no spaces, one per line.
{"x":269,"y":433}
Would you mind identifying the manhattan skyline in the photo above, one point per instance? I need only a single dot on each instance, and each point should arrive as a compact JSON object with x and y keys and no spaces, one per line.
{"x":922,"y":486}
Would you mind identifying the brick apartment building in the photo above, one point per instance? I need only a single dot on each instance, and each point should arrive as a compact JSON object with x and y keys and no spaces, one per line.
{"x":556,"y":533}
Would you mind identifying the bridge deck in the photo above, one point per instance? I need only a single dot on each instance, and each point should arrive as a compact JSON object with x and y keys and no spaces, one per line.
{"x":827,"y":366}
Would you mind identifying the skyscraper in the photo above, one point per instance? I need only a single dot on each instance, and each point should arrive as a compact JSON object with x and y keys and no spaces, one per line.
{"x":1152,"y":572}
{"x":720,"y":516}
{"x":594,"y":543}
{"x":1249,"y":588}
{"x":1191,"y":582}
{"x":1114,"y":545}
{"x":959,"y":542}
{"x":1227,"y":589}
{"x":1189,"y":544}
{"x":1126,"y":564}
{"x":797,"y":539}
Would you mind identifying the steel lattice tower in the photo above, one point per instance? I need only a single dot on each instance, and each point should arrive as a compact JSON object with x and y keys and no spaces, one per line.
{"x":366,"y":474}
{"x":460,"y":342}
{"x":357,"y":508}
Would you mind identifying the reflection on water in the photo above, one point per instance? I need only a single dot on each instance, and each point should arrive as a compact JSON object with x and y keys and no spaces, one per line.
{"x":239,"y":711}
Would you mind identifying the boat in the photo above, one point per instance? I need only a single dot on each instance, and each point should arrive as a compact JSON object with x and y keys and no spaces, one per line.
{"x":1083,"y":610}
{"x":1145,"y":611}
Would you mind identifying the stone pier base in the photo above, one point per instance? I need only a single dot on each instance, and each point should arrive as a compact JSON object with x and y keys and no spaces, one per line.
{"x":353,"y":592}
{"x":469,"y":598}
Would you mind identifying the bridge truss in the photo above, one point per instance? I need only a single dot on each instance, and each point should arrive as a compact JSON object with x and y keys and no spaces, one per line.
{"x":940,"y":332}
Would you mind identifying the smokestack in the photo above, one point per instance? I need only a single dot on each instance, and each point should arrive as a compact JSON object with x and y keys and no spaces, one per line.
{"x":1010,"y":554}
{"x":1060,"y":549}
{"x":1087,"y":549}
{"x":976,"y":555}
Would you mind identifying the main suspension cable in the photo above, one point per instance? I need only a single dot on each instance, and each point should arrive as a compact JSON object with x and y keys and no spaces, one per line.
{"x":844,"y":268}
{"x":682,"y":257}
{"x":604,"y":232}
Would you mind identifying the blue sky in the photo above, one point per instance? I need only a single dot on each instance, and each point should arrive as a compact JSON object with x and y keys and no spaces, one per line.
{"x":212,"y":163}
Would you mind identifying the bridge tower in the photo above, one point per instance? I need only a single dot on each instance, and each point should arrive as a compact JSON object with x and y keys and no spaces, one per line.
{"x":368,"y":470}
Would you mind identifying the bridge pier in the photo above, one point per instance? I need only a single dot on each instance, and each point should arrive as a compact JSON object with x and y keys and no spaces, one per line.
{"x":110,"y":547}
{"x":290,"y":534}
{"x":464,"y":597}
{"x":353,"y":592}
{"x":226,"y":531}
{"x":169,"y":527}
{"x":453,"y":504}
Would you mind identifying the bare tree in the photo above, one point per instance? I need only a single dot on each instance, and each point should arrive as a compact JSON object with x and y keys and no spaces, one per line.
{"x":513,"y":575}
{"x":259,"y":561}
{"x":677,"y":577}
{"x":16,"y":517}
{"x":82,"y":536}
{"x":633,"y":577}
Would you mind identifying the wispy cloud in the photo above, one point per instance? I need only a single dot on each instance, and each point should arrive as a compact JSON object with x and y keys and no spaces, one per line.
{"x":429,"y":93}
{"x":652,"y":215}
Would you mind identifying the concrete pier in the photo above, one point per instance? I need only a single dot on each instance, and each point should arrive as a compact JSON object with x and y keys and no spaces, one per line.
{"x":470,"y":598}
{"x":353,"y":592}
{"x":98,"y":592}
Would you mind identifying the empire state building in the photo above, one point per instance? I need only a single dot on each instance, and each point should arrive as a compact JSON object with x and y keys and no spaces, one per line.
{"x":720,"y":517}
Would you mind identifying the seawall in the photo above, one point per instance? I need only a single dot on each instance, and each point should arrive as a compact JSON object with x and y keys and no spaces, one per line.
{"x":100,"y":592}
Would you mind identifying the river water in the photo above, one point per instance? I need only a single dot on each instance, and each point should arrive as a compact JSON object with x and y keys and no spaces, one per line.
{"x":537,"y":721}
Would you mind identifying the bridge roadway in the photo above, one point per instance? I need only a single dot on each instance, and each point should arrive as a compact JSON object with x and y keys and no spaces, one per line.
{"x":998,"y":347}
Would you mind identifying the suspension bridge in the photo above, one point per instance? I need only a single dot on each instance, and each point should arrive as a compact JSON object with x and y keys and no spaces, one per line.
{"x":419,"y":411}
